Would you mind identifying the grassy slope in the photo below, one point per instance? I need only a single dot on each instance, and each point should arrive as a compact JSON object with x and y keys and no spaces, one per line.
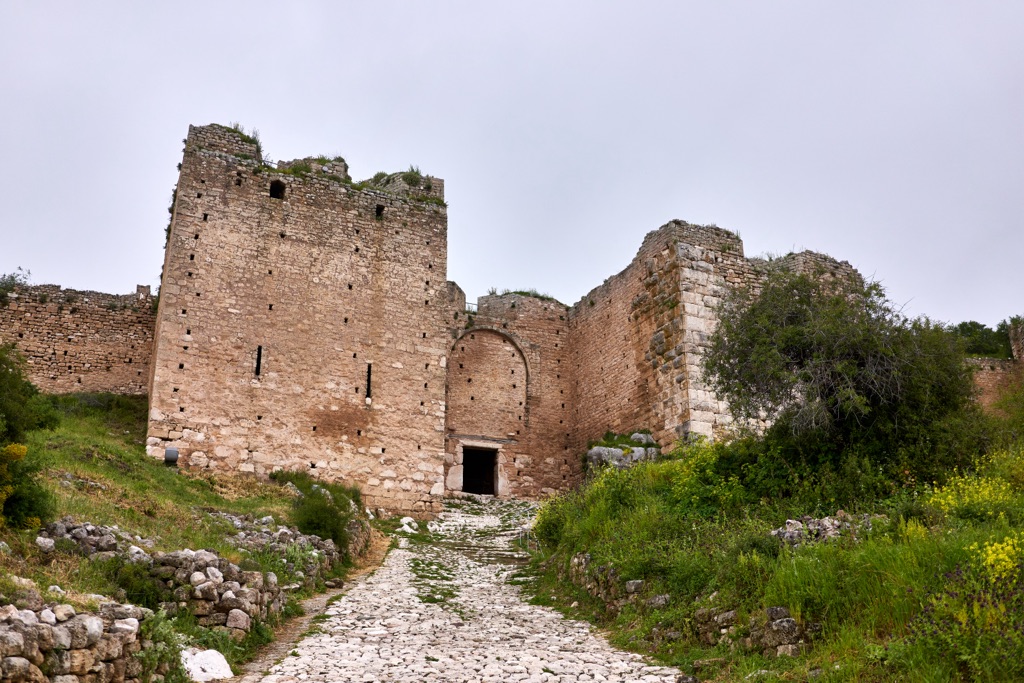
{"x":100,"y":440}
{"x":873,"y":595}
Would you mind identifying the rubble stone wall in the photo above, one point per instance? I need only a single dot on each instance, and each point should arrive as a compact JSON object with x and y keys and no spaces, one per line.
{"x":81,"y":341}
{"x":51,"y":642}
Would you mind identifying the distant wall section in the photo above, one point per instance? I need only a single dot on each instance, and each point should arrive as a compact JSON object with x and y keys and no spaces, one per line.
{"x":81,"y":341}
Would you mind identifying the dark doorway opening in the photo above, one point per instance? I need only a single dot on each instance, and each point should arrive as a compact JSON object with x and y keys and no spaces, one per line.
{"x":479,"y":470}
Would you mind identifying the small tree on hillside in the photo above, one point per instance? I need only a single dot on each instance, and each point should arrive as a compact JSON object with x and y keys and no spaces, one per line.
{"x":836,"y":368}
{"x":23,"y":500}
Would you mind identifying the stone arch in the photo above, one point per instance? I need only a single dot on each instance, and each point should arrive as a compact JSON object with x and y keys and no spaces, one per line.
{"x":488,"y":377}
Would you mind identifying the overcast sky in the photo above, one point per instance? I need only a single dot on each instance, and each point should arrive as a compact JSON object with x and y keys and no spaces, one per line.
{"x":889,"y":134}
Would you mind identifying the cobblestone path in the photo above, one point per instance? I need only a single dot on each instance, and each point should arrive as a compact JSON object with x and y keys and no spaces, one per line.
{"x":441,"y":609}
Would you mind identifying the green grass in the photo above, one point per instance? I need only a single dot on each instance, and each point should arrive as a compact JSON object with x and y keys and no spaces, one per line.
{"x":899,"y":602}
{"x":96,"y":466}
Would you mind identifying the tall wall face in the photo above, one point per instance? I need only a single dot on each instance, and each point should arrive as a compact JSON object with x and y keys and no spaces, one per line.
{"x":638,"y":338}
{"x":627,"y":355}
{"x":81,"y":341}
{"x":302,"y":332}
{"x":509,"y":384}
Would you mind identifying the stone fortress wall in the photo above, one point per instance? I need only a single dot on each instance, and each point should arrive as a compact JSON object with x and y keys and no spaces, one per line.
{"x":625,"y":357}
{"x":81,"y":341}
{"x":306,"y":322}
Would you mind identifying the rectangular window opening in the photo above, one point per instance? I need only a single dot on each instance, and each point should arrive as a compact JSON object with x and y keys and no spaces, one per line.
{"x":369,"y":375}
{"x":259,"y":360}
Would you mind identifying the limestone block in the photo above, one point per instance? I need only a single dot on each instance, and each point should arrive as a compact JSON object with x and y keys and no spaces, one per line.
{"x":80,"y":661}
{"x":205,"y":665}
{"x":453,"y":482}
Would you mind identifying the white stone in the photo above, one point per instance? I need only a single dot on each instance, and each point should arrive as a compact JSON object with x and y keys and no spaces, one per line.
{"x":205,"y":665}
{"x":128,"y":625}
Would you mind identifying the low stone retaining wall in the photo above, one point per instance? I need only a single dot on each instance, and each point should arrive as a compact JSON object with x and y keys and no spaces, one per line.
{"x":772,"y":631}
{"x":50,"y":642}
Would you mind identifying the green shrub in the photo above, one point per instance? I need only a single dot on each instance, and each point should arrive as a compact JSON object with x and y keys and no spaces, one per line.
{"x":848,"y":383}
{"x":166,"y":650}
{"x":552,"y":518}
{"x":975,"y":621}
{"x":413,"y":178}
{"x":24,"y":501}
{"x":10,"y":281}
{"x":315,"y":513}
{"x":699,"y":485}
{"x":324,"y":508}
{"x":22,"y":407}
{"x":131,"y":581}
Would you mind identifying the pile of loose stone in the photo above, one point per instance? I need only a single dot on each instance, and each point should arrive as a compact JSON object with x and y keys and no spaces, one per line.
{"x":93,"y":540}
{"x":642,"y":448}
{"x":38,"y":636}
{"x":811,"y":530}
{"x":442,"y":609}
{"x":773,"y":631}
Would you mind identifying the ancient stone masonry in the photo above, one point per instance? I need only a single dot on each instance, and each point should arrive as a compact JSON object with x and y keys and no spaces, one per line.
{"x":993,"y":377}
{"x":301,"y":322}
{"x":623,"y":358}
{"x":81,"y":341}
{"x":509,"y":383}
{"x":306,"y":322}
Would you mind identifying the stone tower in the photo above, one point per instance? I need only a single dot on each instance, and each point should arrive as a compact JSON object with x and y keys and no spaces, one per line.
{"x":301,"y":322}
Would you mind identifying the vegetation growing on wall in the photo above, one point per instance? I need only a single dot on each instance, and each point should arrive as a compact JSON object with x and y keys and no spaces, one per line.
{"x":10,"y":281}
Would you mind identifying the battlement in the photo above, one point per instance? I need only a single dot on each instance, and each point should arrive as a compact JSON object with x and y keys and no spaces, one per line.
{"x":218,"y":139}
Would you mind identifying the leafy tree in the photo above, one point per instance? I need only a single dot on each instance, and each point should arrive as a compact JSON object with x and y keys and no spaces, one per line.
{"x":23,"y":500}
{"x":845,"y":380}
{"x":981,"y":340}
{"x":21,"y":406}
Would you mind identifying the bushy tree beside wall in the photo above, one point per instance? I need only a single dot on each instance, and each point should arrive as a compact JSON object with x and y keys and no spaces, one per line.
{"x":853,"y":390}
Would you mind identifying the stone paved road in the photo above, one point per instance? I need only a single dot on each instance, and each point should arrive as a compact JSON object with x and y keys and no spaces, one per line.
{"x":444,"y":611}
